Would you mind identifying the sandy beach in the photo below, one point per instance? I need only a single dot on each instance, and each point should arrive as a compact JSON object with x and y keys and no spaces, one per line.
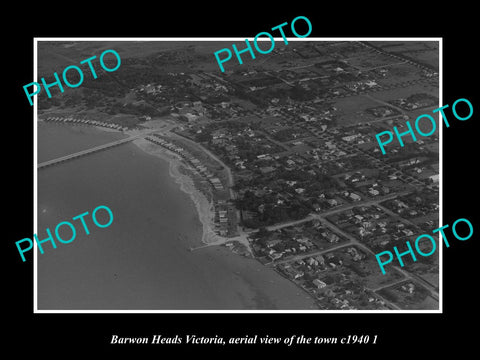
{"x":203,"y":205}
{"x":143,"y":260}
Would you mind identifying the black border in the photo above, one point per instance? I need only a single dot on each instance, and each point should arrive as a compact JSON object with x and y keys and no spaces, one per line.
{"x":406,"y":334}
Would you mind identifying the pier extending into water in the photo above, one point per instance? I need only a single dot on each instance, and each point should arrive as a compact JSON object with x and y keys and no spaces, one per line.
{"x":90,"y":151}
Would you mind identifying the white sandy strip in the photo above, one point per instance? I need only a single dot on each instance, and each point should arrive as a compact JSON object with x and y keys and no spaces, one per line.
{"x":204,"y":207}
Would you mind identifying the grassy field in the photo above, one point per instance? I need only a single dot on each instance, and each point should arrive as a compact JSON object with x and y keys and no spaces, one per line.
{"x":425,"y":52}
{"x":352,"y":110}
{"x":56,"y":55}
{"x":404,"y":92}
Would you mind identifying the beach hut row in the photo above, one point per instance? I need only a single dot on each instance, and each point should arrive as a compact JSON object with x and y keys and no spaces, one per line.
{"x":221,"y":218}
{"x":192,"y":160}
{"x":85,"y":121}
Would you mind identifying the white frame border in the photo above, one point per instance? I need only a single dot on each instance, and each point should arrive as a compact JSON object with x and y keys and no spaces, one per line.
{"x":146,"y":39}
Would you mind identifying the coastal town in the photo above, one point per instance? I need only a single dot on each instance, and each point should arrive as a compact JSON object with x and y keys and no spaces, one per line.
{"x":284,"y":150}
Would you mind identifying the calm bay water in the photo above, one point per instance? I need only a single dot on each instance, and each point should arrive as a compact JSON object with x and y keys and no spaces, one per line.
{"x":142,"y":260}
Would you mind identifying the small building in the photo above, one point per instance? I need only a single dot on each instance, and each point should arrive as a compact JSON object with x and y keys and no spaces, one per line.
{"x":350,"y":138}
{"x":332,"y":202}
{"x":434,"y":178}
{"x":355,"y":197}
{"x":274,"y":256}
{"x":319,"y":283}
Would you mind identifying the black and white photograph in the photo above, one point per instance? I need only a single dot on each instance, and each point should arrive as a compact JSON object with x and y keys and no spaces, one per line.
{"x":226,"y":181}
{"x":262,"y":187}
